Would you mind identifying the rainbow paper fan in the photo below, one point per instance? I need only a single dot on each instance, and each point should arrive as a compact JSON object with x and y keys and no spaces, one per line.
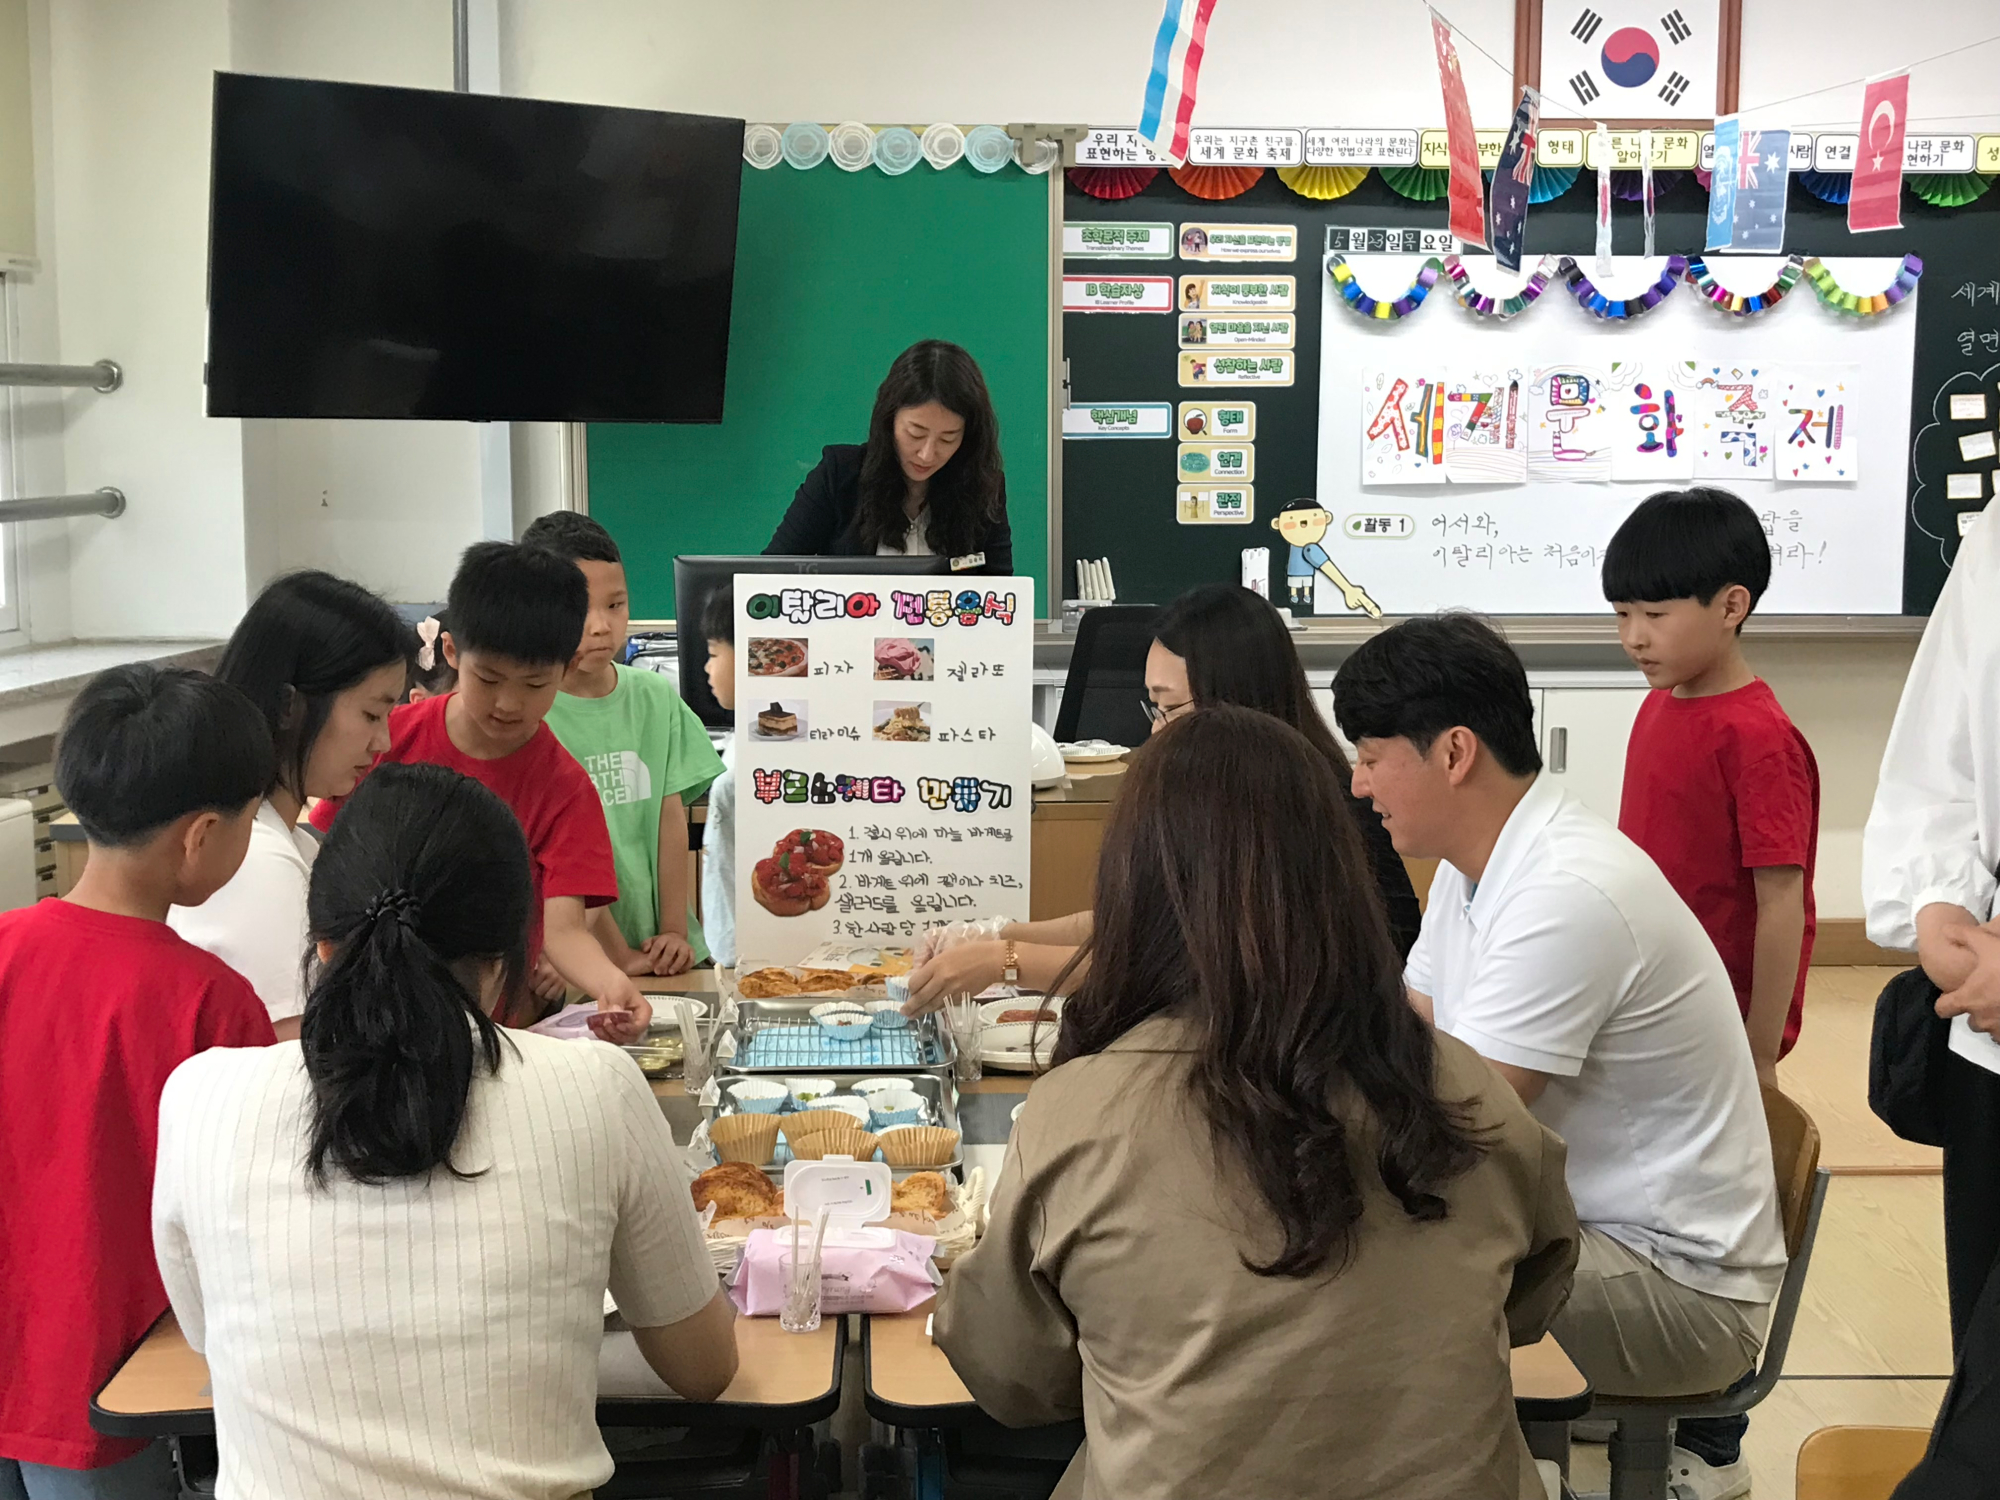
{"x":1111,"y":183}
{"x":1630,"y":187}
{"x":1828,"y":187}
{"x":1418,"y":184}
{"x":1215,"y":183}
{"x":1322,"y":184}
{"x":1550,"y":183}
{"x":1948,"y":189}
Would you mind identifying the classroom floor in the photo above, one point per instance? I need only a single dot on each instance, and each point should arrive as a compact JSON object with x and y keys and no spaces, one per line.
{"x":1872,"y":1343}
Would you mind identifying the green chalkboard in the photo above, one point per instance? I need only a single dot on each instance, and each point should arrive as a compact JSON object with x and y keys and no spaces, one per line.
{"x":836,"y":274}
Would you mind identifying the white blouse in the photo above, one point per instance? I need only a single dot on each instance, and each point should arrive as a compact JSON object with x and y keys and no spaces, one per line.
{"x":433,"y":1337}
{"x":257,"y":922}
{"x":1933,"y":834}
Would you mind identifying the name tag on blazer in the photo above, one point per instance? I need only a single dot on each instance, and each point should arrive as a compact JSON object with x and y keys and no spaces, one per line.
{"x":970,"y":560}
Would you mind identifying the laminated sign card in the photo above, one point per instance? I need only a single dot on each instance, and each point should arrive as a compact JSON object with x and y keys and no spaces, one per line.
{"x":882,"y":757}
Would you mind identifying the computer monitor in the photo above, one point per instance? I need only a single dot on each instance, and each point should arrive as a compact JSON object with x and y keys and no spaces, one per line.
{"x":696,"y":578}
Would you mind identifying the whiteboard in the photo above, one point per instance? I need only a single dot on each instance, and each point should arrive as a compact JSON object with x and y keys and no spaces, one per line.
{"x":1536,"y":547}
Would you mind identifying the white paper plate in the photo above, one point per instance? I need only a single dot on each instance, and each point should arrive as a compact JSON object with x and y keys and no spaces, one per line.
{"x":1006,"y":1047}
{"x":1093,"y":752}
{"x":992,"y":1010}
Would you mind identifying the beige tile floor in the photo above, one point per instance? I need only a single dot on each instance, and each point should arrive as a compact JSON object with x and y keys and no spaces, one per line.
{"x":1872,"y":1322}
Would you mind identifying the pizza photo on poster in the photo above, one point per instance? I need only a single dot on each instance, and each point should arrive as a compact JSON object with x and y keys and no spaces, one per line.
{"x":1620,"y":60}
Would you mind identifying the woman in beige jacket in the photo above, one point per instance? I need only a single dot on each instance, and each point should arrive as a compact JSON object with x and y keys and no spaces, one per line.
{"x":1261,"y":1228}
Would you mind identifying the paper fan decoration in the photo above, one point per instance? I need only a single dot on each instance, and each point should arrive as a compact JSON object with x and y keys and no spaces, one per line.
{"x":851,"y":145}
{"x":897,"y":149}
{"x":1948,"y":189}
{"x":1551,"y":183}
{"x":1044,"y":155}
{"x":1370,"y":307}
{"x":1111,"y":183}
{"x":988,"y":148}
{"x":943,"y":144}
{"x":1594,"y":302}
{"x":1630,"y":187}
{"x":1736,"y":303}
{"x":1418,"y":184}
{"x":1322,"y":184}
{"x":805,"y":145}
{"x":1702,"y":176}
{"x":1488,"y":306}
{"x":1837,"y":297}
{"x":1215,"y":183}
{"x":1828,"y":187}
{"x":763,"y":147}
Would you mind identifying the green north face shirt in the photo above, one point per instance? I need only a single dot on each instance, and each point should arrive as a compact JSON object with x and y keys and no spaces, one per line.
{"x":641,"y":744}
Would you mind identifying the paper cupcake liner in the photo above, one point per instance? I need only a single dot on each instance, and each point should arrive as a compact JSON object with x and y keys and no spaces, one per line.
{"x":897,"y":149}
{"x":763,"y":146}
{"x":858,"y":1144}
{"x":943,"y":144}
{"x":988,"y":148}
{"x":805,"y":144}
{"x":851,"y":145}
{"x":751,"y":1138}
{"x":920,"y":1146}
{"x":1036,"y":159}
{"x":812,"y":1121}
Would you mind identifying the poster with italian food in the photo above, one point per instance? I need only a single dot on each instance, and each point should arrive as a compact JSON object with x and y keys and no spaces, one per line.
{"x":883,"y":757}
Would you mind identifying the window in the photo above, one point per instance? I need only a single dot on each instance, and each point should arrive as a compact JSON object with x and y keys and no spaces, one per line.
{"x":10,"y":552}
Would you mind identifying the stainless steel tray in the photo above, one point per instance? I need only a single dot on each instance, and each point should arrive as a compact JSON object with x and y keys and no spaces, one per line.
{"x":770,"y":1037}
{"x":937,"y":1090}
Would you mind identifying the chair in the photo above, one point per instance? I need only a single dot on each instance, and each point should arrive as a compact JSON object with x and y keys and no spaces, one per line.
{"x":1643,"y":1443}
{"x":1107,"y":676}
{"x":1858,"y":1463}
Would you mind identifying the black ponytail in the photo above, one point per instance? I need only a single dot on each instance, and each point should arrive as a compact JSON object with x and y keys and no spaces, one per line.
{"x":423,"y":881}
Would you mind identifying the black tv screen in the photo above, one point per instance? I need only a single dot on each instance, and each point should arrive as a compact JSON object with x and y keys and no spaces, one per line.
{"x":391,"y":252}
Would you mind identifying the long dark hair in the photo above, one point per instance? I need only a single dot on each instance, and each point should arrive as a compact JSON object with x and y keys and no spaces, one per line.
{"x":965,"y":496}
{"x":305,"y":640}
{"x":1227,"y":840}
{"x":424,"y":875}
{"x":1238,"y":651}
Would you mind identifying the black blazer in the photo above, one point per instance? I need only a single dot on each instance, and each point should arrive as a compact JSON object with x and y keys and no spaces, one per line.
{"x":820,"y":522}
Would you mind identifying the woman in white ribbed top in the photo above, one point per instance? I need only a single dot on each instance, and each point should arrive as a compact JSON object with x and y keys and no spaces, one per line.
{"x":392,"y":1238}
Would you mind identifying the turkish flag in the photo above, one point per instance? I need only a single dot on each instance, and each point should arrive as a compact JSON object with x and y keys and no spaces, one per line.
{"x":1468,"y":186}
{"x":1876,"y":200}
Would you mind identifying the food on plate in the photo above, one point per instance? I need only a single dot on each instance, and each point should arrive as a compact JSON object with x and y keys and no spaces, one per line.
{"x":921,"y":1193}
{"x":827,"y":981}
{"x":1011,"y":1017}
{"x":897,"y":660}
{"x":767,"y":984}
{"x":813,"y":850}
{"x":785,"y":890}
{"x":744,"y":1137}
{"x":778,"y":722}
{"x":773,"y":657}
{"x":738,"y":1190}
{"x":905,"y":725}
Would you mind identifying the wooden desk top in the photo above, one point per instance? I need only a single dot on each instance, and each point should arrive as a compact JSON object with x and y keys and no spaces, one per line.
{"x":782,"y":1379}
{"x":907,"y":1371}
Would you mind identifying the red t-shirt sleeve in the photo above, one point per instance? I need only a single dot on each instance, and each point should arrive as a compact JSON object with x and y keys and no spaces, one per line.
{"x":574,"y":849}
{"x":231,"y":1015}
{"x":1776,"y":811}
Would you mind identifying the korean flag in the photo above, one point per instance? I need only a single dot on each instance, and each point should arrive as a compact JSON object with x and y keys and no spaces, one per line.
{"x":1630,"y":59}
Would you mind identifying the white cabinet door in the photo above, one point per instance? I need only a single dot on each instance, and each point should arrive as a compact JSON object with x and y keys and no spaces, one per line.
{"x":1583,"y":735}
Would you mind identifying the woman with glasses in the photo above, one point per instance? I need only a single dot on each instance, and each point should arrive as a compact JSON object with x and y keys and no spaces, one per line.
{"x":1218,"y":644}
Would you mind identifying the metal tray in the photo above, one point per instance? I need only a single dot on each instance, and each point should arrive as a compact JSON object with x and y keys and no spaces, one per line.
{"x":937,"y":1090}
{"x":780,"y":1036}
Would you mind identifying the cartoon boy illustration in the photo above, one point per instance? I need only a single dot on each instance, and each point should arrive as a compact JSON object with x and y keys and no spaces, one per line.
{"x":1304,"y":524}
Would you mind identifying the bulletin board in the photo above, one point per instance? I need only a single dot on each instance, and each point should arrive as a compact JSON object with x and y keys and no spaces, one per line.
{"x":1119,"y":495}
{"x":836,"y":274}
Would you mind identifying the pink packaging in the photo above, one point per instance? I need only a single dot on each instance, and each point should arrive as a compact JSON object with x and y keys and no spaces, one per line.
{"x":861,"y":1271}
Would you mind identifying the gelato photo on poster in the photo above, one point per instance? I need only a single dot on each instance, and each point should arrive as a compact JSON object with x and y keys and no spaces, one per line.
{"x":905,"y":659}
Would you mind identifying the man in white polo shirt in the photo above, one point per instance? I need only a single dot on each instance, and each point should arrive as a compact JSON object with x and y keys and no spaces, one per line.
{"x":1554,"y":946}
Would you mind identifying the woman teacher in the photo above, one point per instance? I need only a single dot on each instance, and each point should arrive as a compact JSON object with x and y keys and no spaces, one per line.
{"x":927,"y":483}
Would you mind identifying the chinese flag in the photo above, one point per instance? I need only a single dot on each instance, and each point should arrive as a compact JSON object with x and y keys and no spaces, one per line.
{"x":1876,"y":201}
{"x":1468,"y":187}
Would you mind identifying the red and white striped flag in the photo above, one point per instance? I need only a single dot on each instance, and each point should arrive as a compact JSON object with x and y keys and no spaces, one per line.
{"x":1177,"y":52}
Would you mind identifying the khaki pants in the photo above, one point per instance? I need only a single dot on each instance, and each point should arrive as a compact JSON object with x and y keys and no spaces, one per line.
{"x":1635,"y":1331}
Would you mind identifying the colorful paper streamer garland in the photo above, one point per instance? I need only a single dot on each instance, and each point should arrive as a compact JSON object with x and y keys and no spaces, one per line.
{"x":1500,"y":307}
{"x":1369,"y":307}
{"x":1594,"y":302}
{"x":1736,"y":304}
{"x":1837,"y":297}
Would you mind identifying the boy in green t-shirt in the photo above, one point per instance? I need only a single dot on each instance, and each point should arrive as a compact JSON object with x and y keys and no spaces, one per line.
{"x":646,"y":750}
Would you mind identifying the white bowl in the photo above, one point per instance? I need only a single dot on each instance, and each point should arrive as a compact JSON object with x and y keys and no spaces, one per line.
{"x":868,"y":1088}
{"x":808,"y":1091}
{"x":1008,"y":1046}
{"x":758,"y":1096}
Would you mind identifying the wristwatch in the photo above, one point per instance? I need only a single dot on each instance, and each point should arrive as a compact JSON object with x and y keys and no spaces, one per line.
{"x":1010,"y":964}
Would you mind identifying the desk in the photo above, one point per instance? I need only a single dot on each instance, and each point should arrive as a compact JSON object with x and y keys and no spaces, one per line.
{"x":783,"y":1381}
{"x":909,"y":1383}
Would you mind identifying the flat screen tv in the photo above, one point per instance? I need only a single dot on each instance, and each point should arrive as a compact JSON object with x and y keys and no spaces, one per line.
{"x":392,"y":252}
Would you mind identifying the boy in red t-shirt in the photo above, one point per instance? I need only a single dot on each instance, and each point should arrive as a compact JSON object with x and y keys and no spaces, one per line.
{"x":517,"y":616}
{"x":99,"y":1001}
{"x":1722,"y":791}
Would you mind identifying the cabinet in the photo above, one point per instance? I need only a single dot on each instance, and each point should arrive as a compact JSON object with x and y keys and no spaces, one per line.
{"x":1583,"y":731}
